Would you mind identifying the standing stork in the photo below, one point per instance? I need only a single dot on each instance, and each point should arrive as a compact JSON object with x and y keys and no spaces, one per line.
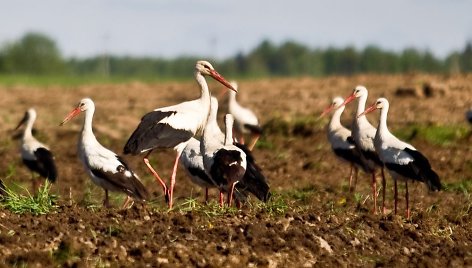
{"x":173,"y":126}
{"x":191,"y":159}
{"x":105,"y":168}
{"x":224,"y":162}
{"x":363,"y":134}
{"x":342,"y":143}
{"x":401,"y":159}
{"x":35,"y":155}
{"x":246,"y":121}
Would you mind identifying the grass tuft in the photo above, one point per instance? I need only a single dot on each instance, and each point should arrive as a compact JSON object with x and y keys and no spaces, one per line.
{"x":443,"y":135}
{"x":42,"y":203}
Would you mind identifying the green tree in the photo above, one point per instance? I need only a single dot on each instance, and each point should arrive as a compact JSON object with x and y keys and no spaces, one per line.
{"x":34,"y":53}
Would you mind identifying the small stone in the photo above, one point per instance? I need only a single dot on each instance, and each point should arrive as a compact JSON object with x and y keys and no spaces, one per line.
{"x":147,"y":218}
{"x":406,"y":251}
{"x":355,"y":242}
{"x":162,"y":260}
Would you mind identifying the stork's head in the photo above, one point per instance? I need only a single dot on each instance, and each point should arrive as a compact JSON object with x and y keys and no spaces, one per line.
{"x":84,"y":105}
{"x":356,"y":93}
{"x":30,"y":114}
{"x":335,"y":104}
{"x":380,"y":103}
{"x":205,"y":68}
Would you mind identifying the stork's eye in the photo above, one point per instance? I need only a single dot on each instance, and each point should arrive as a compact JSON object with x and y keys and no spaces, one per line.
{"x":206,"y":67}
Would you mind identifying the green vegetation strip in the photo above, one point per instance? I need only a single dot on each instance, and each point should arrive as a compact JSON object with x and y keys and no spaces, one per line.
{"x":41,"y":203}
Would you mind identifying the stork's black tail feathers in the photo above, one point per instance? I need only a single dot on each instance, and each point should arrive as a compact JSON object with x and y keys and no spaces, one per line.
{"x":423,"y":167}
{"x":253,"y":181}
{"x":432,"y":180}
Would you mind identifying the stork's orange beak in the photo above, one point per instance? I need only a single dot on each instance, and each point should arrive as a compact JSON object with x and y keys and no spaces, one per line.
{"x":71,"y":115}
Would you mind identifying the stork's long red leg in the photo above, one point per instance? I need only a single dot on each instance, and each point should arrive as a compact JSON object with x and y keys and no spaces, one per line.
{"x":356,"y":173}
{"x":221,"y":198}
{"x":254,"y":140}
{"x":230,"y":194}
{"x":350,"y":178}
{"x":154,"y":173}
{"x":172,"y":179}
{"x":105,"y":201}
{"x":125,"y":204}
{"x":384,"y":185}
{"x":206,"y":195}
{"x":395,"y":195}
{"x":374,"y":191}
{"x":407,"y":200}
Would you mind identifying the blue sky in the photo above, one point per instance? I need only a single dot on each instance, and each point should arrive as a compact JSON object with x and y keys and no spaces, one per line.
{"x":222,"y":28}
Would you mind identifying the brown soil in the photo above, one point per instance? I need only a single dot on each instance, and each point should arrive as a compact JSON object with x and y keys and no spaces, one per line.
{"x":319,"y":227}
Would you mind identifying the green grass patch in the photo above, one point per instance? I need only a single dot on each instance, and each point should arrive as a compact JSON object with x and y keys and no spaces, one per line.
{"x":463,"y":186}
{"x":276,"y":205}
{"x":77,"y":80}
{"x":41,"y":203}
{"x":443,"y":135}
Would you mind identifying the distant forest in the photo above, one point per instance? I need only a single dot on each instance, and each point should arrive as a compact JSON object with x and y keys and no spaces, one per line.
{"x":37,"y":54}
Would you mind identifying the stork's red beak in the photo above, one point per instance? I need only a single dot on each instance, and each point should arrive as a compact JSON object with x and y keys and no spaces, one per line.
{"x":71,"y":115}
{"x":25,"y":118}
{"x":371,"y":108}
{"x":349,"y":99}
{"x":327,"y":110}
{"x":222,"y":80}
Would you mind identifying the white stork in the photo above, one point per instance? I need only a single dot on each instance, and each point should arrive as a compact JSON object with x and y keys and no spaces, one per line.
{"x":401,"y":159}
{"x":173,"y":126}
{"x":192,"y":160}
{"x":341,"y":141}
{"x":223,"y":161}
{"x":363,"y":134}
{"x":35,"y":155}
{"x":246,"y":121}
{"x":105,"y":168}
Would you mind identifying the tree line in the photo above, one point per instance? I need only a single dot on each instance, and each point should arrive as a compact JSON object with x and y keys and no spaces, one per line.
{"x":38,"y":54}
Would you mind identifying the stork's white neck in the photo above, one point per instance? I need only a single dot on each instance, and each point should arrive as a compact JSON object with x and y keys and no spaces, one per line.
{"x":204,"y":97}
{"x":360,"y":109}
{"x":382,"y":127}
{"x":228,"y":130}
{"x":335,"y":121}
{"x":27,"y":134}
{"x":87,"y":130}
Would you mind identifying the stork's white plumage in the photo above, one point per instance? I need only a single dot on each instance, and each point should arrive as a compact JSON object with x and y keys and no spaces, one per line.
{"x":253,"y":180}
{"x":223,"y":161}
{"x":105,"y":168}
{"x":173,"y":126}
{"x":34,"y":154}
{"x":401,"y":159}
{"x":245,"y":120}
{"x":192,"y":158}
{"x":363,"y":134}
{"x":341,"y":141}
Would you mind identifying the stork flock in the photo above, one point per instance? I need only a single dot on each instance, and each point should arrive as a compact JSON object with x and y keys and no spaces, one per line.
{"x":371,"y":148}
{"x":212,"y":159}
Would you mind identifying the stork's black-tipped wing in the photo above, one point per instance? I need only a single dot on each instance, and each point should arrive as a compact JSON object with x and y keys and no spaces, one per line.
{"x":44,"y":164}
{"x":254,"y":180}
{"x":123,"y":179}
{"x":152,"y":133}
